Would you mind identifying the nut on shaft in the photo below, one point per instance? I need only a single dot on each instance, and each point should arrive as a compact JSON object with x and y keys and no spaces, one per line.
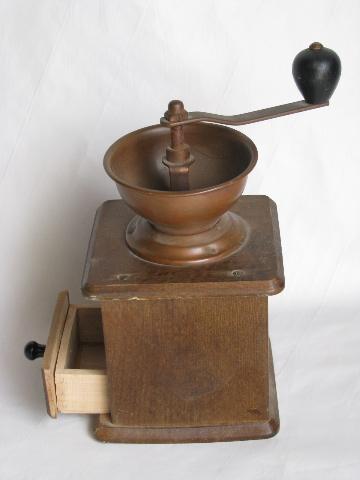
{"x":178,"y":158}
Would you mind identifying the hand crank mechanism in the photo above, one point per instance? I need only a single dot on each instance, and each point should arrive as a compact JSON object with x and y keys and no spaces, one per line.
{"x":316,"y":71}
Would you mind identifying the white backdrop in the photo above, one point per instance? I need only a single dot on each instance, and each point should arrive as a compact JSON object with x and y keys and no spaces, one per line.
{"x":76,"y":75}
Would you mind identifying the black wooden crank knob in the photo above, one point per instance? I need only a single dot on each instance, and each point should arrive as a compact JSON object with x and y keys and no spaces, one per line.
{"x":34,"y":350}
{"x":316,"y":72}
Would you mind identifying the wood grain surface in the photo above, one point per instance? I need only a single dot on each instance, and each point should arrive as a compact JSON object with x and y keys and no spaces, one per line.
{"x":112,"y":271}
{"x":107,"y":431}
{"x":187,"y":362}
{"x":52,"y":350}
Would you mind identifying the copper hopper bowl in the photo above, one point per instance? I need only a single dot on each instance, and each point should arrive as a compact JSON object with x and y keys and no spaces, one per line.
{"x":188,"y":227}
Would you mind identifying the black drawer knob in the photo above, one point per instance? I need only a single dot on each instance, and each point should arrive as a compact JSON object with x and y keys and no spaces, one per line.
{"x":34,"y":350}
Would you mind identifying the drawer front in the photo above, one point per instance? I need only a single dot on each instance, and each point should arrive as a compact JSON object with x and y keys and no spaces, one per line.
{"x":52,"y":351}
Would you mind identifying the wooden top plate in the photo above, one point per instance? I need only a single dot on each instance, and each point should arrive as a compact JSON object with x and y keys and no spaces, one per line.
{"x":112,"y":271}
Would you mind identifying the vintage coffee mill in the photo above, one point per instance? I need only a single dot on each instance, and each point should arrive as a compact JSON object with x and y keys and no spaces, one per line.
{"x":177,"y":347}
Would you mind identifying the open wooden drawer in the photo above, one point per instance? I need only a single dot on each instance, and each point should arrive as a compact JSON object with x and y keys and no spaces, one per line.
{"x":74,"y":368}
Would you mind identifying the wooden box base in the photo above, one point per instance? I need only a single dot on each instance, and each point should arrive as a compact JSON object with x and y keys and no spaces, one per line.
{"x":106,"y":431}
{"x":170,"y":355}
{"x":77,"y":383}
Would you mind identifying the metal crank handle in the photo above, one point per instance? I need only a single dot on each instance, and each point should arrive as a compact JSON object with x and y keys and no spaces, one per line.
{"x":316,"y":71}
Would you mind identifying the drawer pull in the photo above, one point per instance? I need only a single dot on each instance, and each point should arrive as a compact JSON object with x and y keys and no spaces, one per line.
{"x":34,"y":350}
